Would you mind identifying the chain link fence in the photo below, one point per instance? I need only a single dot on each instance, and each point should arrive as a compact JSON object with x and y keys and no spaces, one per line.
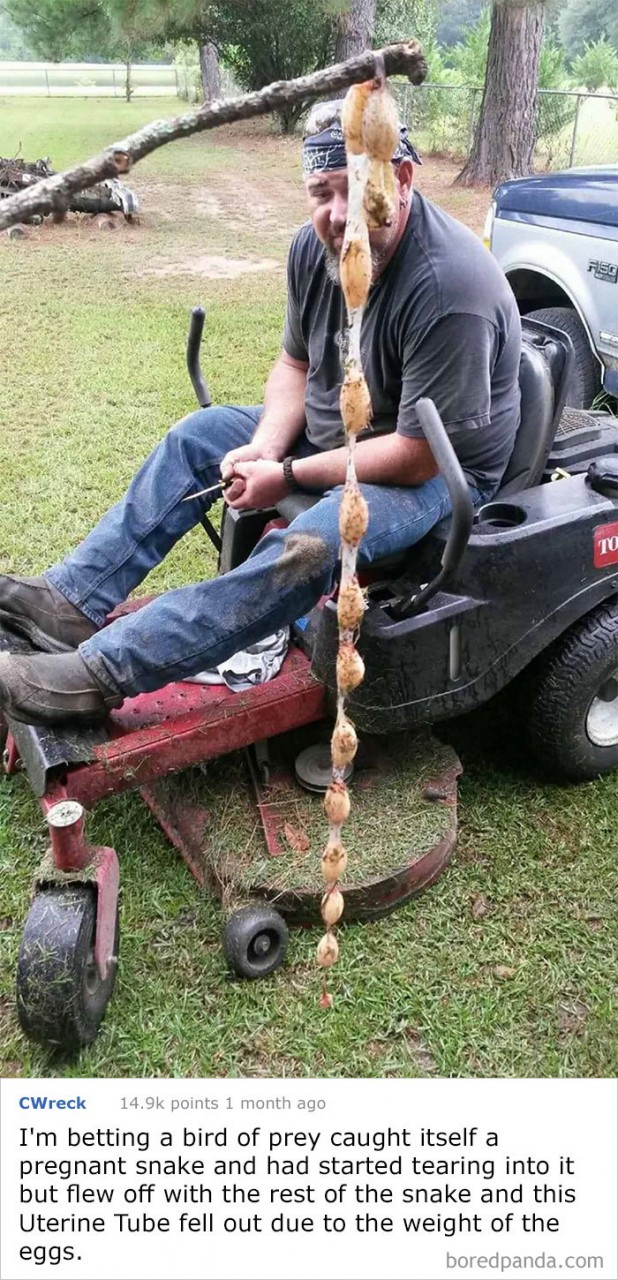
{"x":572,"y":128}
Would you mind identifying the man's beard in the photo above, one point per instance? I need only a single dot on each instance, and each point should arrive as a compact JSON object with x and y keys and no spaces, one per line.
{"x":332,"y":260}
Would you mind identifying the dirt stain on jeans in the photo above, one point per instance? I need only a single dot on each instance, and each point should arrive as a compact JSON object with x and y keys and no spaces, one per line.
{"x":305,"y":556}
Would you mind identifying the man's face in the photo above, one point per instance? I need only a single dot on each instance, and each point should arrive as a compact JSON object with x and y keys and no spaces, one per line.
{"x":328,"y":206}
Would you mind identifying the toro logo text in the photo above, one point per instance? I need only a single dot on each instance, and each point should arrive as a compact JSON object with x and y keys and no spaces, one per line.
{"x":605,"y":545}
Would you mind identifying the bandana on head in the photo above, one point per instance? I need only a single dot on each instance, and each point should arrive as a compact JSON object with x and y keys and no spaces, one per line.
{"x":324,"y":143}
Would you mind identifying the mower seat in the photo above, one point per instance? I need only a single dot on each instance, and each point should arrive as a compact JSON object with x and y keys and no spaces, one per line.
{"x":294,"y":504}
{"x":544,"y":368}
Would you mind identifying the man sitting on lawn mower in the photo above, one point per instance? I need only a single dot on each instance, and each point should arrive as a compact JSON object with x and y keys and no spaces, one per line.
{"x":440,"y":321}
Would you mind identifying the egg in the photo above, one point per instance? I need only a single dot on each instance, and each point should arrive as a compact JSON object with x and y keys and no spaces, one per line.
{"x":379,"y":125}
{"x":355,"y":270}
{"x":344,"y":742}
{"x":337,"y":803}
{"x":353,"y":515}
{"x":352,"y":115}
{"x":334,"y":861}
{"x":380,"y":198}
{"x":355,"y":403}
{"x":332,"y":906}
{"x":350,"y":606}
{"x":328,"y":951}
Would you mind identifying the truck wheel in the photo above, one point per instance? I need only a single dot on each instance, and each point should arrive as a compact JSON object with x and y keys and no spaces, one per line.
{"x":586,"y":379}
{"x":61,"y":999}
{"x":572,"y":702}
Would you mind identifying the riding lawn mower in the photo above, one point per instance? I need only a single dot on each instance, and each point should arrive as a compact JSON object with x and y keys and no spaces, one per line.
{"x":520,"y":593}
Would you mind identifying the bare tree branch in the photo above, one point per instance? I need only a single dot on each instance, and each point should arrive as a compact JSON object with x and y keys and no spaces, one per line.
{"x":52,"y":194}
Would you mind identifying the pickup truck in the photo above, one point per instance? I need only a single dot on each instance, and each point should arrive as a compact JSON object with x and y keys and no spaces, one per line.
{"x":556,"y":237}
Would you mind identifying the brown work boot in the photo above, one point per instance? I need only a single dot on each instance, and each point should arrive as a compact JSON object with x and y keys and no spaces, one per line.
{"x":53,"y":689}
{"x":35,"y":609}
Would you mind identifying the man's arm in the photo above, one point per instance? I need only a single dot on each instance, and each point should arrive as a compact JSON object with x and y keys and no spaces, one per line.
{"x":284,"y":408}
{"x":388,"y":459}
{"x":281,"y":423}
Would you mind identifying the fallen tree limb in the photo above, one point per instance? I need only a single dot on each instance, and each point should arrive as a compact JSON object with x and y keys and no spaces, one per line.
{"x":51,"y":195}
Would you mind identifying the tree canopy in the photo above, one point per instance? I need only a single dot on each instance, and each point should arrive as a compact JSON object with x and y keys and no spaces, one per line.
{"x":262,"y":44}
{"x":582,"y":22}
{"x":597,"y":66}
{"x":12,"y":43}
{"x":454,"y":17}
{"x":62,"y":29}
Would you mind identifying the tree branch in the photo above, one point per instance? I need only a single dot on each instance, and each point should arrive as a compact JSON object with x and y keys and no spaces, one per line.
{"x":53,"y":194}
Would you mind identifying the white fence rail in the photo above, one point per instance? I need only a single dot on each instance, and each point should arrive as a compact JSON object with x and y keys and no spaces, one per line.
{"x":86,"y":80}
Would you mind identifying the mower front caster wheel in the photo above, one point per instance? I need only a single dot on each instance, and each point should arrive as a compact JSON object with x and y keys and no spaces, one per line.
{"x":61,"y":998}
{"x":255,"y":941}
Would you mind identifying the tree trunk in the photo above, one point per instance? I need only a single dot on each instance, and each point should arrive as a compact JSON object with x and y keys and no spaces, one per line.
{"x":288,"y":117}
{"x":355,"y":29}
{"x":128,"y":87}
{"x":505,"y":133}
{"x":210,"y":71}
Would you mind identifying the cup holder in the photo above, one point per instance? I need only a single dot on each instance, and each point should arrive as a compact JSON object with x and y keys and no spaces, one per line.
{"x":498,"y":515}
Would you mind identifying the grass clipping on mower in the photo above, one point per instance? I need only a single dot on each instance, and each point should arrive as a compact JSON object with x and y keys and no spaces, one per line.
{"x":371,"y":130}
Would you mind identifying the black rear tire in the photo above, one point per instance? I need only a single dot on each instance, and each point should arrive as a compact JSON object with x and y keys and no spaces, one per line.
{"x":586,"y":380}
{"x":570,"y":699}
{"x":61,"y":999}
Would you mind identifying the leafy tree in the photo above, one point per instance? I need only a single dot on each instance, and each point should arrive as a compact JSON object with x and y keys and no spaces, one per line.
{"x":13,"y":47}
{"x":259,"y":42}
{"x":400,"y":19}
{"x":597,"y":66}
{"x":132,"y":26}
{"x":261,"y":46}
{"x":552,"y":64}
{"x":554,"y":112}
{"x":582,"y":22}
{"x":438,"y":70}
{"x":469,"y":57}
{"x":195,"y":22}
{"x":455,"y":17}
{"x":62,"y":29}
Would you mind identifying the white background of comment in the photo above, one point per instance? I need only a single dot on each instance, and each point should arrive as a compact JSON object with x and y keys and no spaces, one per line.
{"x":542,"y":1119}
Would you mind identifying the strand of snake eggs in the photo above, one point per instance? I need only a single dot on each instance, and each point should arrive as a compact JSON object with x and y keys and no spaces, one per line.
{"x":371,"y":130}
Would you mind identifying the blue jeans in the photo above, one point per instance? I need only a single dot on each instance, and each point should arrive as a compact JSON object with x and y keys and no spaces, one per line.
{"x":195,"y":627}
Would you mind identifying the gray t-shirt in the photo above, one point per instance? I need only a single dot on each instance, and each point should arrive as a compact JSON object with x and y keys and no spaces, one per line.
{"x":441,"y":321}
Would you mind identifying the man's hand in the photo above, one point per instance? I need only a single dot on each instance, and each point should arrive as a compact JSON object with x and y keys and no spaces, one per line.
{"x":245,"y":453}
{"x":258,"y":483}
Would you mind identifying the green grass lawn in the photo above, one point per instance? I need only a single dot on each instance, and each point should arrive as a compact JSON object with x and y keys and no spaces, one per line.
{"x":508,"y":966}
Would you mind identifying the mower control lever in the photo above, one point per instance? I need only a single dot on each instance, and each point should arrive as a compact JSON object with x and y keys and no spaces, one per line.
{"x":461,"y":501}
{"x":196,"y":328}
